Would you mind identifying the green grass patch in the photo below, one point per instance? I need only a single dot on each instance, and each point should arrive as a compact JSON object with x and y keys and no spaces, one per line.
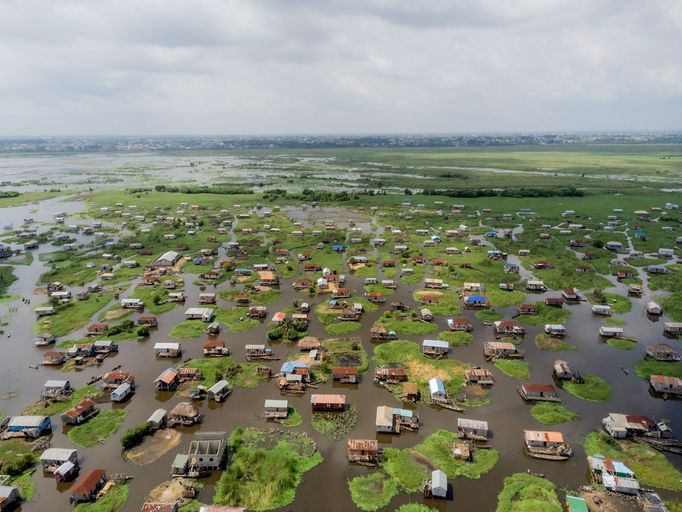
{"x":98,"y":429}
{"x":618,"y":303}
{"x":373,"y":492}
{"x":342,"y":328}
{"x":39,"y":408}
{"x":112,"y":501}
{"x":514,"y":368}
{"x":448,"y":301}
{"x":621,"y":343}
{"x":294,"y":419}
{"x":72,"y":316}
{"x":336,"y":425}
{"x":488,"y":315}
{"x":547,"y":342}
{"x":672,"y":305}
{"x":187,"y":329}
{"x":456,"y":338}
{"x":552,"y":413}
{"x":503,"y":299}
{"x":343,"y":352}
{"x":257,"y":296}
{"x":674,"y":506}
{"x":651,"y":467}
{"x":527,"y":493}
{"x":415,"y":507}
{"x":546,"y":315}
{"x":647,"y":367}
{"x":154,"y":298}
{"x":214,"y":369}
{"x":235,"y":319}
{"x":412,"y":466}
{"x":405,"y":324}
{"x":15,"y":457}
{"x":594,"y":389}
{"x":421,"y":369}
{"x":266,"y":468}
{"x":24,"y":482}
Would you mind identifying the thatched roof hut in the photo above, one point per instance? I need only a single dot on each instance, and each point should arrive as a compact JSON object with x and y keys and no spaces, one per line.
{"x":185,"y":410}
{"x":309,"y":343}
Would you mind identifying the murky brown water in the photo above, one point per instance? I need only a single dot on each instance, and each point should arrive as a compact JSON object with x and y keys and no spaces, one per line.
{"x":325,"y":487}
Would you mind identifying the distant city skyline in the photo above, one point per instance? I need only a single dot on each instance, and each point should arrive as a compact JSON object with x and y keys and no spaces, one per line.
{"x":338,"y":67}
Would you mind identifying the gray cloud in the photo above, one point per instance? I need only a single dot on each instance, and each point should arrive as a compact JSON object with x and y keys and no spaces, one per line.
{"x":338,"y":66}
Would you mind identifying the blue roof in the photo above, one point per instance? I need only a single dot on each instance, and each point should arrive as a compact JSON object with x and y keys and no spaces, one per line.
{"x":621,"y":468}
{"x":290,"y":366}
{"x":474,"y":298}
{"x":436,"y":386}
{"x":436,"y":343}
{"x":402,"y":412}
{"x":337,"y":246}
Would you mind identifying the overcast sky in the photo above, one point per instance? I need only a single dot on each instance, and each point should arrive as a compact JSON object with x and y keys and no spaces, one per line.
{"x":338,"y":66}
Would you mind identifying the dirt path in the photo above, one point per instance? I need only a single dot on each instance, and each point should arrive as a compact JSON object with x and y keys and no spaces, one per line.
{"x":154,"y":447}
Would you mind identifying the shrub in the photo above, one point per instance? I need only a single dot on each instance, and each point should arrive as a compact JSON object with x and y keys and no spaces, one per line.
{"x":134,"y":436}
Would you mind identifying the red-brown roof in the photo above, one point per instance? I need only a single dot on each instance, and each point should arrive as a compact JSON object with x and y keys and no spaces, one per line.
{"x":84,"y":405}
{"x":88,"y":482}
{"x":343,"y":370}
{"x":539,"y":388}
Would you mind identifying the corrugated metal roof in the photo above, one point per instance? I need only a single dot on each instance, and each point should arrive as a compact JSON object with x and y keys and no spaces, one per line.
{"x":276,"y":404}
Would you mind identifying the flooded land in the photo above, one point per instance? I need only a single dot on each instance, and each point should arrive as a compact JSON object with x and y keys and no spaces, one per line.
{"x":288,"y":311}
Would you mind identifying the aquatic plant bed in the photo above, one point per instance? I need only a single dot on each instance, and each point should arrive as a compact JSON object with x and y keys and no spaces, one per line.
{"x":294,"y":419}
{"x":447,"y":301}
{"x":488,"y":315}
{"x":73,"y":315}
{"x":547,"y":342}
{"x":24,"y":482}
{"x":415,"y":507}
{"x":546,"y":315}
{"x":344,"y":352}
{"x":651,"y":467}
{"x":90,"y":391}
{"x":15,"y":457}
{"x":456,"y":338}
{"x":594,"y":389}
{"x":504,"y":299}
{"x":527,"y":493}
{"x":98,"y":429}
{"x":618,"y":303}
{"x":373,"y":491}
{"x":336,"y":425}
{"x":342,"y":328}
{"x":405,"y":324}
{"x":187,"y":329}
{"x":112,"y":501}
{"x":515,"y":368}
{"x":421,"y":369}
{"x":257,"y":296}
{"x":412,"y":466}
{"x":552,"y":413}
{"x":155,"y":299}
{"x":647,"y":367}
{"x":213,"y":369}
{"x":235,"y":319}
{"x":621,"y":343}
{"x":265,"y":469}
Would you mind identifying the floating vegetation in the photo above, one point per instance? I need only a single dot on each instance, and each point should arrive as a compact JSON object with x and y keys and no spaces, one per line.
{"x":552,"y":413}
{"x":336,"y":425}
{"x":594,"y":389}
